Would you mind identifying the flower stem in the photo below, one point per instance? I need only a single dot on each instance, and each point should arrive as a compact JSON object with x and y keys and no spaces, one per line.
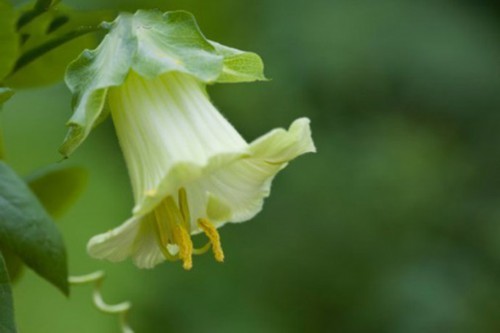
{"x":120,"y":309}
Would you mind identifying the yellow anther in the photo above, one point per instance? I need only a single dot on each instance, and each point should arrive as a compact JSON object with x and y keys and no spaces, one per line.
{"x":214,"y":237}
{"x":172,"y":220}
{"x":180,"y":236}
{"x":172,"y":231}
{"x":185,"y":247}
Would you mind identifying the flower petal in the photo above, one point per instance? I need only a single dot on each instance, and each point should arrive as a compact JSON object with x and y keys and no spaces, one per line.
{"x":115,"y":245}
{"x":281,"y":146}
{"x":167,"y":127}
{"x":243,"y":184}
{"x":181,"y":174}
{"x":146,"y":252}
{"x":136,"y":237}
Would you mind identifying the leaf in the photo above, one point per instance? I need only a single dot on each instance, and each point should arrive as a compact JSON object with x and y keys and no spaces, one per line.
{"x":13,"y":263}
{"x":239,"y":66}
{"x":5,"y":95}
{"x":28,"y":231}
{"x":57,"y":188}
{"x":51,"y":41}
{"x":8,"y":39}
{"x":7,"y":324}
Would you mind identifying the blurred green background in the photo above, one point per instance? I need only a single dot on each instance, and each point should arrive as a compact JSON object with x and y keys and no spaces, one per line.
{"x":394,"y":226}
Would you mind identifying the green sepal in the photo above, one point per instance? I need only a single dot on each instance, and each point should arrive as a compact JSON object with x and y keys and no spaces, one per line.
{"x":239,"y":66}
{"x":9,"y":39}
{"x":90,"y":76}
{"x":150,"y":43}
{"x":28,"y":231}
{"x":57,"y":188}
{"x":7,"y":324}
{"x":173,"y":42}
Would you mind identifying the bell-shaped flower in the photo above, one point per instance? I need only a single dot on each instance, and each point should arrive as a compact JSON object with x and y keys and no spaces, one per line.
{"x":191,"y":171}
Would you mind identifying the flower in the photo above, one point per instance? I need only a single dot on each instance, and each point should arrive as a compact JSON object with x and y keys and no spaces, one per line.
{"x":191,"y":171}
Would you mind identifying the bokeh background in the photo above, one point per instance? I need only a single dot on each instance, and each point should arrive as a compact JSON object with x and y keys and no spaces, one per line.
{"x":393,"y":226}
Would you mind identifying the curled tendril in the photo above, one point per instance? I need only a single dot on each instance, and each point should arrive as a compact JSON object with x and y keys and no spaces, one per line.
{"x":120,"y":309}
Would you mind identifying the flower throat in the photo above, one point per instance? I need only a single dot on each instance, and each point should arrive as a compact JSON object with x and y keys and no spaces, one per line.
{"x":174,"y":229}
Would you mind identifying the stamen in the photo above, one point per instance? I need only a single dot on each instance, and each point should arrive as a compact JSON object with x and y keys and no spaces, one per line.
{"x":173,"y":226}
{"x":213,"y":236}
{"x":162,"y":238}
{"x":185,"y":247}
{"x":162,"y":231}
{"x":179,"y":233}
{"x":184,"y":207}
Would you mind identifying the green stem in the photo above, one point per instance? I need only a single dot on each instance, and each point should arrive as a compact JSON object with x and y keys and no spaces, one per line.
{"x":48,"y":46}
{"x":41,"y":6}
{"x":120,"y":309}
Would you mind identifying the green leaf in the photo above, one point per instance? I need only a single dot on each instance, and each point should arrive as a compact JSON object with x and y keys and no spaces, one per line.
{"x":9,"y":39}
{"x":13,"y":263}
{"x":239,"y":66}
{"x":5,"y":95}
{"x":7,"y":324}
{"x":57,"y":188}
{"x":51,"y":41}
{"x":149,"y":43}
{"x":28,"y":231}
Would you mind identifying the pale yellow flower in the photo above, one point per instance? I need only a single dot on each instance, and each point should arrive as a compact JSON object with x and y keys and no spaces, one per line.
{"x":191,"y":171}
